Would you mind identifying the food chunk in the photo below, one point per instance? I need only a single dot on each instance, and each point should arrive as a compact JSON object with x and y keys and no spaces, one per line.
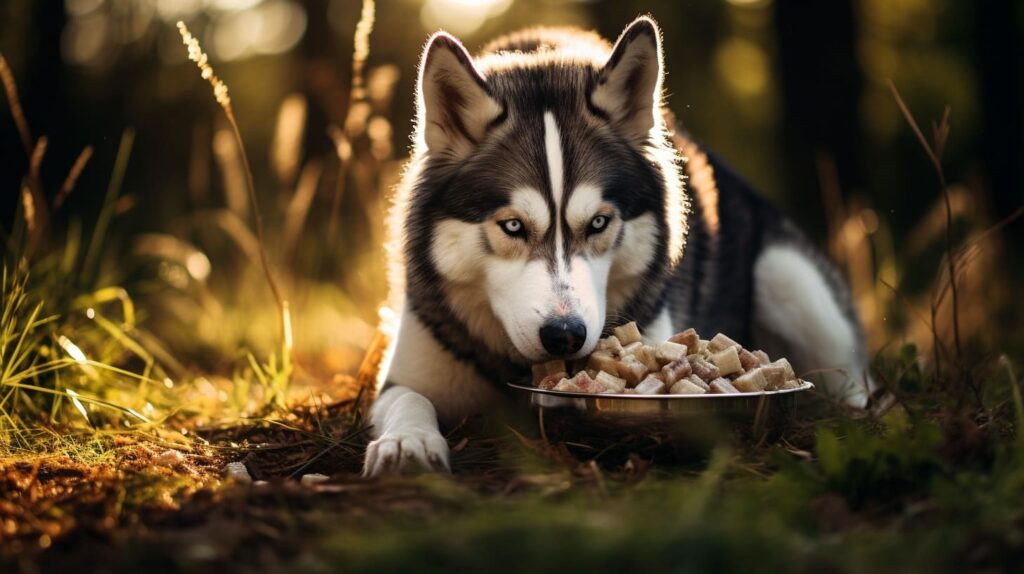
{"x":628,"y":333}
{"x":668,"y":351}
{"x":611,"y":345}
{"x":688,"y":337}
{"x":632,"y":370}
{"x":551,"y":381}
{"x":632,"y":348}
{"x":651,"y":386}
{"x":603,"y":361}
{"x":610,"y":381}
{"x":775,"y":375}
{"x":720,"y":342}
{"x":677,"y":369}
{"x":704,"y":368}
{"x":543,"y":370}
{"x":647,"y":355}
{"x":685,"y":387}
{"x":722,"y":386}
{"x":784,"y":364}
{"x":727,"y":361}
{"x":750,"y":382}
{"x":748,"y":360}
{"x":567,"y":386}
{"x":699,"y":382}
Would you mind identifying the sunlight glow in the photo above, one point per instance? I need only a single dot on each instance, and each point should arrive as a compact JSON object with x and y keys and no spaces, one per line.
{"x":460,"y":16}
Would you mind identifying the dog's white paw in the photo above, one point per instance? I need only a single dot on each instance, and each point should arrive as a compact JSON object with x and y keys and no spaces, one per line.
{"x":407,"y":452}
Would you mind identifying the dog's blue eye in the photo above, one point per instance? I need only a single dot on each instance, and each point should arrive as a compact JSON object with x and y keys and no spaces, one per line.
{"x":513,"y":227}
{"x":598,"y":224}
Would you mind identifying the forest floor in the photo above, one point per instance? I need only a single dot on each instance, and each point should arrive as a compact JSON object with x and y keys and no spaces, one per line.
{"x":923,"y":487}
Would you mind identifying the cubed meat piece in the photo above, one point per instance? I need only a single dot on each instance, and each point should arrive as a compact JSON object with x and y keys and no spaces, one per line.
{"x":748,"y":360}
{"x":631,"y":348}
{"x":727,"y":361}
{"x":722,"y":386}
{"x":750,"y":382}
{"x":762,"y":357}
{"x":549,"y":382}
{"x":648,"y":356}
{"x":721,"y":342}
{"x":699,"y":382}
{"x":667,"y":351}
{"x":568,"y":386}
{"x":704,"y":369}
{"x":688,"y":337}
{"x":650,"y":386}
{"x":784,"y":364}
{"x":685,"y":387}
{"x":677,"y":369}
{"x":628,"y":333}
{"x":603,"y":361}
{"x":543,"y":370}
{"x":611,"y":381}
{"x":775,"y":375}
{"x":791,"y":384}
{"x":632,"y":370}
{"x":611,"y":345}
{"x":704,"y":348}
{"x":588,"y":384}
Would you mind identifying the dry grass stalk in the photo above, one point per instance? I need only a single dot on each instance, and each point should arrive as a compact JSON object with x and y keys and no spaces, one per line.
{"x":361,"y":50}
{"x":934,"y":150}
{"x":220,"y":92}
{"x":37,"y":217}
{"x":11,"y":88}
{"x":73,"y":175}
{"x":298,"y":207}
{"x":286,"y":148}
{"x":228,"y":157}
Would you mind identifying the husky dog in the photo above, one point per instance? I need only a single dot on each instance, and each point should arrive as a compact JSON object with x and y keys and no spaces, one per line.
{"x":549,"y":199}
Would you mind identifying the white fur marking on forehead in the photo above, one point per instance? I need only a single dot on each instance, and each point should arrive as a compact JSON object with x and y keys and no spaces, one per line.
{"x":583,"y":203}
{"x":532,"y":205}
{"x":553,"y":147}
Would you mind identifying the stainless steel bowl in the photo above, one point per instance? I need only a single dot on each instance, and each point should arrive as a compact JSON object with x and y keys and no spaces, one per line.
{"x":689,"y":416}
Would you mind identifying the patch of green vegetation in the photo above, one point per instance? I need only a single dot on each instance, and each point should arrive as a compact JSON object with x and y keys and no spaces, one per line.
{"x":875,"y":498}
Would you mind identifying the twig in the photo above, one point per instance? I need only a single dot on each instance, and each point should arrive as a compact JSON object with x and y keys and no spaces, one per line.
{"x":11,"y":88}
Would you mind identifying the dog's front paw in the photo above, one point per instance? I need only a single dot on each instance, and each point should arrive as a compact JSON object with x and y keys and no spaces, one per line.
{"x":407,"y":452}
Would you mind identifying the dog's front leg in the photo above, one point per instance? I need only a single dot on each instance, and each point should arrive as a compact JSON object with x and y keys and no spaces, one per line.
{"x":408,"y":437}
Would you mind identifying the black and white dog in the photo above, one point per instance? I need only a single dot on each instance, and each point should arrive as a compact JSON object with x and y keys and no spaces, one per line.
{"x":547,"y":200}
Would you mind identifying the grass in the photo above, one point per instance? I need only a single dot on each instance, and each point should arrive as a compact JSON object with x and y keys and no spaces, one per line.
{"x":121,"y":401}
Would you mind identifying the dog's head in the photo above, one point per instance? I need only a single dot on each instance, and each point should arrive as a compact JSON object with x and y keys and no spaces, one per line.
{"x":546,"y":189}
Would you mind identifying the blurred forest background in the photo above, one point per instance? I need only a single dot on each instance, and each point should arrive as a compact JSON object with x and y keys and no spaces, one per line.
{"x":141,"y":349}
{"x":792,"y":94}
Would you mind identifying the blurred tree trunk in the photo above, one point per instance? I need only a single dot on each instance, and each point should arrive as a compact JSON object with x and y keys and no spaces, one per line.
{"x":1000,"y":59}
{"x":821,"y":88}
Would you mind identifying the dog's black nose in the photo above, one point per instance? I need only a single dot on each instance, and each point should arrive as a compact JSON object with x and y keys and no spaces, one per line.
{"x":563,"y":335}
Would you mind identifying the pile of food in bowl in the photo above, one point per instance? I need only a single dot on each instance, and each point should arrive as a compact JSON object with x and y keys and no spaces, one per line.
{"x":685,"y":364}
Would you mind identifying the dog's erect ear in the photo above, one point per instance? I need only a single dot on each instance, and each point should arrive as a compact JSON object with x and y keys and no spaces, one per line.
{"x":455,"y":103}
{"x":629,"y":86}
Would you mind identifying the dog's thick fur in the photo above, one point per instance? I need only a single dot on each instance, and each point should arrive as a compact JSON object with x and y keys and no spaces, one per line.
{"x":549,"y":189}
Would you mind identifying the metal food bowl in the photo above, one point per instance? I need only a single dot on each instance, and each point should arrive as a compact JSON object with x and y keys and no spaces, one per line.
{"x":688,"y":420}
